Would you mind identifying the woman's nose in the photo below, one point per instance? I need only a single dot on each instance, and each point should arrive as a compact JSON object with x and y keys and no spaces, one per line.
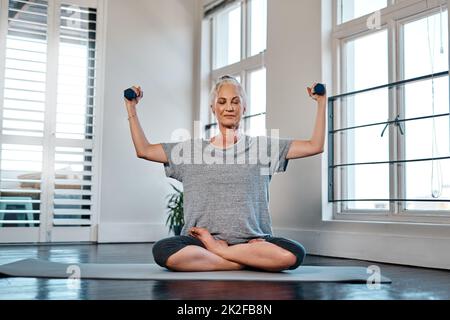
{"x":230,"y":107}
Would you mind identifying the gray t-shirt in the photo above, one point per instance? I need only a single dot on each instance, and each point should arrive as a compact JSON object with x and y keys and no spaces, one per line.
{"x":227,"y":190}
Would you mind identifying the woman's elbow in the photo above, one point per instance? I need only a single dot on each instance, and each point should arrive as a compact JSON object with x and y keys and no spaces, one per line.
{"x":317,"y":150}
{"x":140,"y":154}
{"x":314,"y":151}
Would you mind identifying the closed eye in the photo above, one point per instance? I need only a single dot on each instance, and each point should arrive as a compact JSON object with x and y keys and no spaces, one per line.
{"x":235,"y":100}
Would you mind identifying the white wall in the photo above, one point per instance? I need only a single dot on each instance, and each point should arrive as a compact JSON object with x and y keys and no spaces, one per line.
{"x":296,"y":57}
{"x":150,"y":43}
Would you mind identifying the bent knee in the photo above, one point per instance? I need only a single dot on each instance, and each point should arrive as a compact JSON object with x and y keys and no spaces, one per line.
{"x":165,"y":248}
{"x":284,"y":261}
{"x":299,"y":253}
{"x":294,"y":253}
{"x":159,"y":252}
{"x":289,"y":260}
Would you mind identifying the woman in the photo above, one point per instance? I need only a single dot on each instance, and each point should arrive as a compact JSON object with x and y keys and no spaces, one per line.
{"x":227,"y":221}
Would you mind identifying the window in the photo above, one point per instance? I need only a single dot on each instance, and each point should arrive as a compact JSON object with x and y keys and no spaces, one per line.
{"x":426,"y":38}
{"x":48,"y":119}
{"x":352,"y":9}
{"x":227,"y":40}
{"x":257,"y":102}
{"x":239,"y":40}
{"x":389,"y":136}
{"x":258,"y":18}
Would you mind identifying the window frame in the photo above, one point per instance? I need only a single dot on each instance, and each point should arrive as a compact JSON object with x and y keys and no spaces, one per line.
{"x":243,"y":68}
{"x":47,"y":231}
{"x":393,"y":18}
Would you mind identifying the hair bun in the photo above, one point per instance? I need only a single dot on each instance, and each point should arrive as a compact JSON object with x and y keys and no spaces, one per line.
{"x":227,"y":77}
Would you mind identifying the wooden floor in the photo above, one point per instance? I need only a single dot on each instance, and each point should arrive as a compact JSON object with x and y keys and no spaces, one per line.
{"x":408,"y":282}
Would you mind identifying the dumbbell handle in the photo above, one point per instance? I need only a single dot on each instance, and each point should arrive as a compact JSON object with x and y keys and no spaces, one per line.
{"x":130,"y":95}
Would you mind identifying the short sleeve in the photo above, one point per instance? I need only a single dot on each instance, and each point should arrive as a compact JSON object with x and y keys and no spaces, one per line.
{"x":279,"y":149}
{"x":175,"y":166}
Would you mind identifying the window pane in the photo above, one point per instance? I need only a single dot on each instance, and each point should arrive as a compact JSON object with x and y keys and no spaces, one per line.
{"x":76,"y":93}
{"x":255,"y":126}
{"x":423,"y":42}
{"x":367,"y":61}
{"x":352,"y":9}
{"x":76,"y":73}
{"x":364,"y":108}
{"x":419,"y":138}
{"x":429,"y":179}
{"x":227,"y":38}
{"x":257,"y":92}
{"x":366,"y":144}
{"x":419,"y":98}
{"x":20,"y":185}
{"x":367,"y":182}
{"x":366,"y":66}
{"x":421,"y":183}
{"x":426,"y":40}
{"x":258,"y":26}
{"x":25,"y":70}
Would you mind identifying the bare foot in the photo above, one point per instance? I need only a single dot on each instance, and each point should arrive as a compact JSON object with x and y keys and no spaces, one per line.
{"x":211,"y":244}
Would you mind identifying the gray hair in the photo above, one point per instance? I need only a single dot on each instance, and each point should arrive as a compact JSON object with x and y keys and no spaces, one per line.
{"x":223,"y":81}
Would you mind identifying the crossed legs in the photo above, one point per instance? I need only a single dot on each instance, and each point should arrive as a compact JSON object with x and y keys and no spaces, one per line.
{"x":195,"y":258}
{"x":215,"y":255}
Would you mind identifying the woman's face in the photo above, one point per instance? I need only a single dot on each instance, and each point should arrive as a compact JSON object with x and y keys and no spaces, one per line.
{"x":228,"y":107}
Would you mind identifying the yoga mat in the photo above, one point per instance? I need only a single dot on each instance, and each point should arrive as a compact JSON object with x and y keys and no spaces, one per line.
{"x":45,"y":269}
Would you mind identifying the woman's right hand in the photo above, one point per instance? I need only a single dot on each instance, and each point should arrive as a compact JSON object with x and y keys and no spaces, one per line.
{"x":134,"y":102}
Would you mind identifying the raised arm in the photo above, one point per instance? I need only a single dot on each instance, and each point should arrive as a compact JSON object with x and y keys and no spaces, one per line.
{"x":144,"y":149}
{"x":314,"y":146}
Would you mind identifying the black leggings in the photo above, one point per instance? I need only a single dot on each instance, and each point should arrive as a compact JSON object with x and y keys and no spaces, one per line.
{"x":164,"y":248}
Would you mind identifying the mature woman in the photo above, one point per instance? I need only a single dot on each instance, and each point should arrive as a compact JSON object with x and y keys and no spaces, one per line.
{"x":226,"y":196}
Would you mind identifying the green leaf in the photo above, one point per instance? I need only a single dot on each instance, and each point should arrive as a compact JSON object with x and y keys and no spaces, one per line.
{"x":175,"y":209}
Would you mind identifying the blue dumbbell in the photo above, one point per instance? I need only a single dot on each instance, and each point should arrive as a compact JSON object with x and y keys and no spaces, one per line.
{"x":130,"y":95}
{"x":320,"y":89}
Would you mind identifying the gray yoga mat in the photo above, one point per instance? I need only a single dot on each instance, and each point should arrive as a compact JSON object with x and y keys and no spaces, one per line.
{"x":45,"y":269}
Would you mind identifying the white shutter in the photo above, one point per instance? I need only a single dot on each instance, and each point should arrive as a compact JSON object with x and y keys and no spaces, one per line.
{"x":22,"y":113}
{"x":75,"y":130}
{"x":48,"y":96}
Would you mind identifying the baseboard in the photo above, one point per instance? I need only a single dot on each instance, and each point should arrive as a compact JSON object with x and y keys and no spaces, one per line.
{"x":397,"y":249}
{"x":131,"y":232}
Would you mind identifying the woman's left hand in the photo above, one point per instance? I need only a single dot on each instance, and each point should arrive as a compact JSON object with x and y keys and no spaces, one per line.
{"x":315,"y":96}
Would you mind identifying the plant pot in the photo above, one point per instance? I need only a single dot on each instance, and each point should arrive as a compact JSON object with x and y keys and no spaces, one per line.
{"x":177,"y":230}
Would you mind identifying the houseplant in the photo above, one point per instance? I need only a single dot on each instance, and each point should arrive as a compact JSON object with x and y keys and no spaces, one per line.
{"x":175,"y":219}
